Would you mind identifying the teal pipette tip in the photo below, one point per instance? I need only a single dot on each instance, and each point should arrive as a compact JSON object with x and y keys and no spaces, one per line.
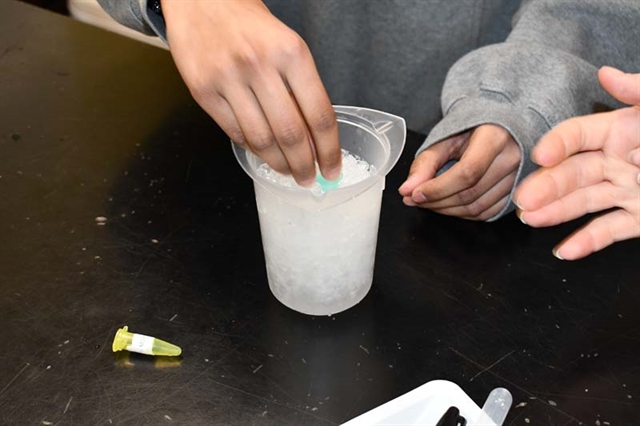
{"x":328,"y":185}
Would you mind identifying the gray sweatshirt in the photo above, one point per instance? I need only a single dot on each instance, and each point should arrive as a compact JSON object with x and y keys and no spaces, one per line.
{"x":447,"y":66}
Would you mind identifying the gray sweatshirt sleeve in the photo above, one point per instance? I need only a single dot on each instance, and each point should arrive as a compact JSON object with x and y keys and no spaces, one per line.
{"x":544,"y":73}
{"x":136,"y":15}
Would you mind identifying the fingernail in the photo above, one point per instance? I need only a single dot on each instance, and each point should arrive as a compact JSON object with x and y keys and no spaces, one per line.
{"x":408,"y":201}
{"x":633,"y":157}
{"x":406,"y":183}
{"x":521,"y":218}
{"x":556,"y":254}
{"x":307,"y":182}
{"x":333,"y":174}
{"x":419,"y":197}
{"x":517,"y":204}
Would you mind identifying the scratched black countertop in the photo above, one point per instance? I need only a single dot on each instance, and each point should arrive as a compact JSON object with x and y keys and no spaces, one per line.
{"x":96,"y":125}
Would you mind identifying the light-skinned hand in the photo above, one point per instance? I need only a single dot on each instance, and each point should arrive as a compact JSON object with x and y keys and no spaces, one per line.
{"x":590,"y":164}
{"x":477,"y":187}
{"x":257,"y":79}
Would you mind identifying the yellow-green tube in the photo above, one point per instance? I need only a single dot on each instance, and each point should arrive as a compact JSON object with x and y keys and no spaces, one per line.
{"x":142,"y":344}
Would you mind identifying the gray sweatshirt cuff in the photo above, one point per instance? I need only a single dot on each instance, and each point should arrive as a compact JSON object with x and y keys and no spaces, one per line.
{"x":137,"y":15}
{"x":153,"y":20}
{"x":525,"y":127}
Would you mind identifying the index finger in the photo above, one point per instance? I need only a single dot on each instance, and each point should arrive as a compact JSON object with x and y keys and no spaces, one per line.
{"x":318,"y":113}
{"x":587,"y":133}
{"x":622,"y":86}
{"x":472,"y":166}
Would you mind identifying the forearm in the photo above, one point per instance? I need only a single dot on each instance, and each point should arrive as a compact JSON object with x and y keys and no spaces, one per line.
{"x":544,"y":73}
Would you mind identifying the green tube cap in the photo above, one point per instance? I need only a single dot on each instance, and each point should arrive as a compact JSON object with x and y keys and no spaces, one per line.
{"x":328,"y":185}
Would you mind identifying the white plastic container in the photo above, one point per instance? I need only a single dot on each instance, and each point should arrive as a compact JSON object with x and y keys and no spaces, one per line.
{"x":425,"y":406}
{"x":320,"y":248}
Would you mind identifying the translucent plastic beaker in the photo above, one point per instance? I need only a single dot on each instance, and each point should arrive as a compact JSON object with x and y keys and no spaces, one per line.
{"x":320,"y":248}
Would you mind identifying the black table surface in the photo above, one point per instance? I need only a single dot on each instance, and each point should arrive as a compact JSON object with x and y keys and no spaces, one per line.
{"x":92,"y":124}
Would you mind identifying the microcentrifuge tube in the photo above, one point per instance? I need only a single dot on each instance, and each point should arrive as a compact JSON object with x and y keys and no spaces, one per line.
{"x":328,"y":185}
{"x":142,"y":344}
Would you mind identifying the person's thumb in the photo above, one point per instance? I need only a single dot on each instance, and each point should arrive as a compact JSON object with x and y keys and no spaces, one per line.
{"x":622,"y":86}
